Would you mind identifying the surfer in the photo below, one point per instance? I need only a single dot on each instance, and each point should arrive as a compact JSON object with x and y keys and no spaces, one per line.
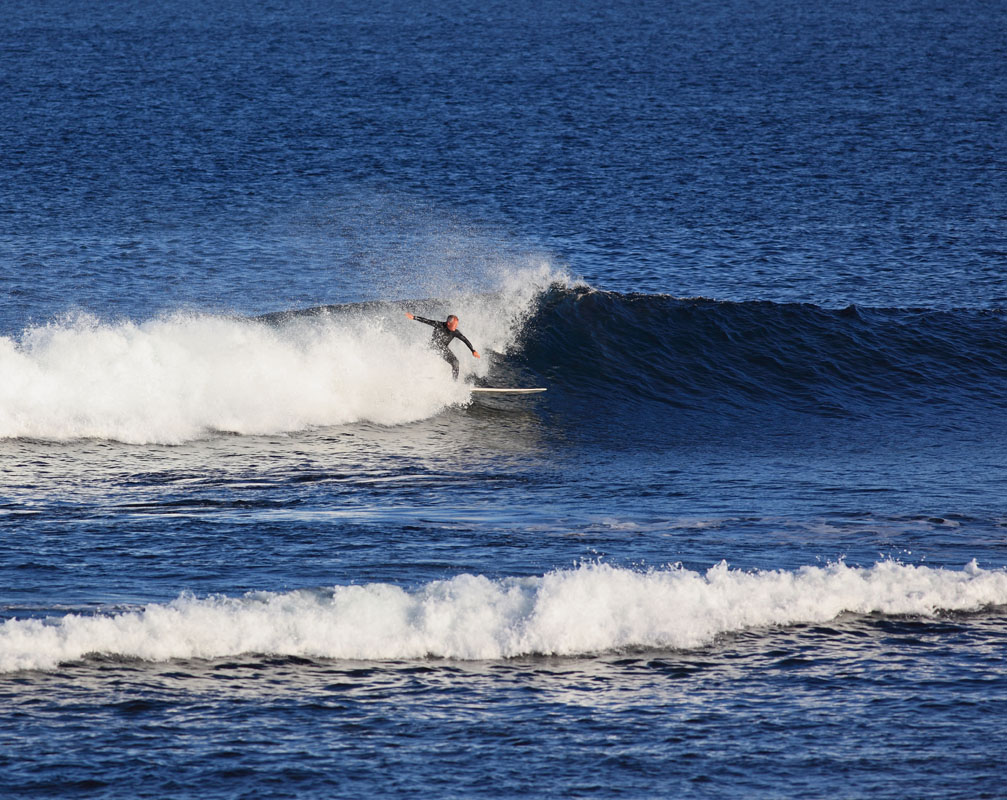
{"x":444,"y":333}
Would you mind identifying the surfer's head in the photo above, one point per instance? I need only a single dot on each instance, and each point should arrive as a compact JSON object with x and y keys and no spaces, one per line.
{"x":452,"y":323}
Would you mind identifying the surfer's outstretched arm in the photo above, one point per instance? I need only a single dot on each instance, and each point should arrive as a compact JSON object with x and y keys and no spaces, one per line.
{"x":468,"y":344}
{"x":422,"y":319}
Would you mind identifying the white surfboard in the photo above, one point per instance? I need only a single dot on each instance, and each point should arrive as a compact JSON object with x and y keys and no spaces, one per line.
{"x":491,"y":390}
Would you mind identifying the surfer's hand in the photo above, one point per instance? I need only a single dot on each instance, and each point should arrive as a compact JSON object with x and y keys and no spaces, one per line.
{"x":476,"y":354}
{"x":410,"y":315}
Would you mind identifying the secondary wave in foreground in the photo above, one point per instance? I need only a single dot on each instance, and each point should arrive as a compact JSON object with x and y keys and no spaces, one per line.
{"x":591,"y":609}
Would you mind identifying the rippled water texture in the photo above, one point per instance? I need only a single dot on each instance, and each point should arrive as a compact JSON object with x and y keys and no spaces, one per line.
{"x":751,"y":541}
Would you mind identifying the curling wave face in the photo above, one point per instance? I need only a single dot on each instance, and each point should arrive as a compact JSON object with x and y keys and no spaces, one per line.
{"x":590,"y":609}
{"x":727,"y":358}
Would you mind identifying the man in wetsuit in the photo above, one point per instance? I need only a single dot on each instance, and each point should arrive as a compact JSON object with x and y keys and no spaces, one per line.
{"x":444,"y":333}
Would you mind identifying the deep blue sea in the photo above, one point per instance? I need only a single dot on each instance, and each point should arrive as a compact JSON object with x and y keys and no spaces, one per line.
{"x":750,"y":543}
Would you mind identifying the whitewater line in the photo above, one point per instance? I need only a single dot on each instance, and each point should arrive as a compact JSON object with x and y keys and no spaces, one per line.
{"x":587,"y":610}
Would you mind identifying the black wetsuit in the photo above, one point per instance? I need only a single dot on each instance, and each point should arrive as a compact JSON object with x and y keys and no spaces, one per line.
{"x":442,"y":338}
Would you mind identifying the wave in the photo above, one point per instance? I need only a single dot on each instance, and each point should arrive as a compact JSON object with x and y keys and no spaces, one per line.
{"x":729,"y":357}
{"x":583,"y":611}
{"x":180,"y":377}
{"x":184,"y":376}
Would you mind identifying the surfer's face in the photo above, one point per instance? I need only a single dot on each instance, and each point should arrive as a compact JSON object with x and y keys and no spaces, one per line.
{"x":452,"y":323}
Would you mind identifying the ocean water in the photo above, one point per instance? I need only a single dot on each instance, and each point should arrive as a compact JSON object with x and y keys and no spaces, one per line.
{"x":256,"y":543}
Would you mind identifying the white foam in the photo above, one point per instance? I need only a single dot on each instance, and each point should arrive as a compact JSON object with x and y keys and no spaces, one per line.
{"x":176,"y":378}
{"x":590,"y":609}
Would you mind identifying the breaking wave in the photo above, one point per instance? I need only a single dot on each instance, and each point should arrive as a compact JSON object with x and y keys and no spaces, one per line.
{"x":185,"y":376}
{"x":587,"y":610}
{"x":181,"y":377}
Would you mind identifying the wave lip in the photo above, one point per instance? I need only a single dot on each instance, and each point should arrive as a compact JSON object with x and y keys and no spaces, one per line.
{"x":588,"y":610}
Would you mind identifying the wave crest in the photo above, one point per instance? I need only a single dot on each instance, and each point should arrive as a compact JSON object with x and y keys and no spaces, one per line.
{"x":587,"y":610}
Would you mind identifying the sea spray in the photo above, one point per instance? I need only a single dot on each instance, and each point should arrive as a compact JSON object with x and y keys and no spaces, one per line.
{"x":173,"y":379}
{"x":183,"y":376}
{"x":590,"y":609}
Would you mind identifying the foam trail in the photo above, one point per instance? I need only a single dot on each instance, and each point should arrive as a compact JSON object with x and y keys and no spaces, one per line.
{"x":591,"y":609}
{"x":177,"y":378}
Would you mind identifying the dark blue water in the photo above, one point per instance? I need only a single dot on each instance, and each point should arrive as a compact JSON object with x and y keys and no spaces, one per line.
{"x":254,"y":542}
